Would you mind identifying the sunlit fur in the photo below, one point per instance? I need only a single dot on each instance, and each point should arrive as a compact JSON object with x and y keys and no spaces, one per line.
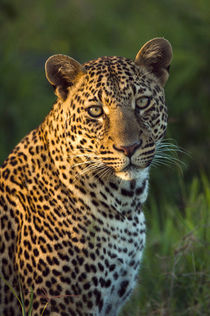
{"x":71,"y":192}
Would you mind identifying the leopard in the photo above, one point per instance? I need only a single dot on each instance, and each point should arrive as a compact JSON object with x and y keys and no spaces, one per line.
{"x":73,"y":230}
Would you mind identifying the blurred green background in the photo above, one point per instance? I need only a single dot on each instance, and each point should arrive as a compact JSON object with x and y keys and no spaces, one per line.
{"x":31,"y":31}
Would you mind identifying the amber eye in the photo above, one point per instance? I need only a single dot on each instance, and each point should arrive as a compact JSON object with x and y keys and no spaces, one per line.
{"x":95,"y":111}
{"x":143,"y":102}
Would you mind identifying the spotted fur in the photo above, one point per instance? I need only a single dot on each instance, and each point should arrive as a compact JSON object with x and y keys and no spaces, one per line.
{"x":71,"y":192}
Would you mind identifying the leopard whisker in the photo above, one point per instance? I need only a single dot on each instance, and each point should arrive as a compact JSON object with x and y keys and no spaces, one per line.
{"x":164,"y":155}
{"x":83,"y":163}
{"x":84,"y":171}
{"x":108,"y":174}
{"x":104,"y":172}
{"x":169,"y":146}
{"x":84,"y":154}
{"x":93,"y":166}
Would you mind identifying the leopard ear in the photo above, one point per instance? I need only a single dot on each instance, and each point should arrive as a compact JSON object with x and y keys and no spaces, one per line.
{"x":62,"y":71}
{"x":156,"y":57}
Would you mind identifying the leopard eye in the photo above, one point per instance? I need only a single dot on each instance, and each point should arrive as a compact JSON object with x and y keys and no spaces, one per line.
{"x":143,"y":102}
{"x":95,"y":111}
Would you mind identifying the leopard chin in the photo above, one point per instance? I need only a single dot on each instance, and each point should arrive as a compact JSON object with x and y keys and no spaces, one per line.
{"x":132,"y":172}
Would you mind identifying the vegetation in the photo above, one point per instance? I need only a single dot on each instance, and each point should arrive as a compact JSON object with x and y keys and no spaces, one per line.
{"x":174,"y":278}
{"x":175,"y":272}
{"x":19,"y":299}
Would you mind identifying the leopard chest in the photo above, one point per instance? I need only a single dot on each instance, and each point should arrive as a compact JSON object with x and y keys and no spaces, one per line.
{"x":122,"y":249}
{"x":90,"y":245}
{"x":111,"y":251}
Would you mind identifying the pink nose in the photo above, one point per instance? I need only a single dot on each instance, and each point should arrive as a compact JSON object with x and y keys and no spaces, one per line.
{"x":128,"y":150}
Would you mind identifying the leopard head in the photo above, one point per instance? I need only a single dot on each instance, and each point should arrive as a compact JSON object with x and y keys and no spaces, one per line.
{"x":111,"y":111}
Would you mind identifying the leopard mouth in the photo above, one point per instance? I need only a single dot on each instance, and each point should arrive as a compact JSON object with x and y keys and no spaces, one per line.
{"x":133,"y":166}
{"x":133,"y":171}
{"x":130,"y":172}
{"x":127,"y":168}
{"x":130,"y":167}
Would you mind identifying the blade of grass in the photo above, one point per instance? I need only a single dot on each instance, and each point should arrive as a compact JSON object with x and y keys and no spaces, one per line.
{"x":13,"y":291}
{"x":31,"y":302}
{"x":44,"y":308}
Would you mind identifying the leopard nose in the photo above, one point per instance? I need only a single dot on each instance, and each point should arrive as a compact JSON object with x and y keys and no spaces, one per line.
{"x":128,"y":150}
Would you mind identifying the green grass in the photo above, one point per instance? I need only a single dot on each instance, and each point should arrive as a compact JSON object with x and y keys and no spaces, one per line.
{"x":21,"y":298}
{"x":175,"y":276}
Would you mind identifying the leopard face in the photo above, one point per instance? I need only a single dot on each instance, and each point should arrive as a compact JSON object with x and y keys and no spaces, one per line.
{"x":114,"y":115}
